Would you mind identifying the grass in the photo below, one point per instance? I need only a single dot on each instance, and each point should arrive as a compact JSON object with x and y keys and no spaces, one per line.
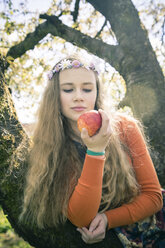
{"x":8,"y":238}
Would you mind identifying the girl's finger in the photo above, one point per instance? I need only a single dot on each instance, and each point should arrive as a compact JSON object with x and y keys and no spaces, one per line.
{"x":105,"y":119}
{"x":84,"y":134}
{"x":84,"y":232}
{"x":96,"y":234}
{"x":94,"y":224}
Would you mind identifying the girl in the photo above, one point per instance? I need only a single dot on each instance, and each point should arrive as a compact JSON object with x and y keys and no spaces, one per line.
{"x":99,"y":182}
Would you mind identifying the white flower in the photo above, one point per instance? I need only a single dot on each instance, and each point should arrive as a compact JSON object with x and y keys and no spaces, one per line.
{"x":65,"y":64}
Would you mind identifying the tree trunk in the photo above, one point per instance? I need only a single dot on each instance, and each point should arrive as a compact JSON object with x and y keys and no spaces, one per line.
{"x":14,"y":144}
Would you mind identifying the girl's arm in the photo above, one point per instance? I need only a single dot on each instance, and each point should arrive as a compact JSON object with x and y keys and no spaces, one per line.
{"x":150,"y":199}
{"x":85,"y":200}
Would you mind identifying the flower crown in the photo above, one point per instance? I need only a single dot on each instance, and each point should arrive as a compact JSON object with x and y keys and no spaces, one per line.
{"x":69,"y":64}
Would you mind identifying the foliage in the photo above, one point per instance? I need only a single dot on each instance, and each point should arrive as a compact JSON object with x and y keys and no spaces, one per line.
{"x":8,"y":238}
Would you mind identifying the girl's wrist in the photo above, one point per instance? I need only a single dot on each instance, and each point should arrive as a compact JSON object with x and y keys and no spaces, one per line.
{"x":94,"y":153}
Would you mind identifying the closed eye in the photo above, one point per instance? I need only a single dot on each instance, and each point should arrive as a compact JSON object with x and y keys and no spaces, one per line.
{"x":87,"y":90}
{"x":70,"y":90}
{"x":67,"y":91}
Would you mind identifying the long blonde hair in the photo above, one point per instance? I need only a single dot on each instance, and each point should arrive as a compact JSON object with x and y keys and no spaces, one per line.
{"x":55,"y":166}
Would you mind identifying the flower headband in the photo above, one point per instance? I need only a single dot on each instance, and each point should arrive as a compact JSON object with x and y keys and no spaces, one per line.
{"x":69,"y":64}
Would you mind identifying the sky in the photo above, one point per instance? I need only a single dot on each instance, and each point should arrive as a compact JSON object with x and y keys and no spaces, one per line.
{"x":33,"y":5}
{"x":41,"y":5}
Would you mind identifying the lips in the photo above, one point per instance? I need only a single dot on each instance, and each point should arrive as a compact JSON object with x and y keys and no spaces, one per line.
{"x":78,"y":108}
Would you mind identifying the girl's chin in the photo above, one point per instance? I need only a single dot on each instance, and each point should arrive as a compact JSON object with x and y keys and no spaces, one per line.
{"x":74,"y":118}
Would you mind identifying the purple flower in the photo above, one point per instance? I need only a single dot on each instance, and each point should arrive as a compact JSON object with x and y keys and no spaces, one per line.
{"x":57,"y":68}
{"x":50,"y":75}
{"x":92,"y":66}
{"x":76,"y":64}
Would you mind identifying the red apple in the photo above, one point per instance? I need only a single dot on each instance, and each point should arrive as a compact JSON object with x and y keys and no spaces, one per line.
{"x":90,"y":120}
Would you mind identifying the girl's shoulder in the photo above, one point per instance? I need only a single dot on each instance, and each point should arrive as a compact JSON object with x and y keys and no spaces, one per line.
{"x":127,"y":126}
{"x":125,"y":121}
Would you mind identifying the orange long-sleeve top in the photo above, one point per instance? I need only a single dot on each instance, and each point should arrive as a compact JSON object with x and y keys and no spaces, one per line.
{"x":85,"y":200}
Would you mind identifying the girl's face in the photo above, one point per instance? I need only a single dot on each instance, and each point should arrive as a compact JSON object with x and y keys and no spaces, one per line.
{"x":78,"y":92}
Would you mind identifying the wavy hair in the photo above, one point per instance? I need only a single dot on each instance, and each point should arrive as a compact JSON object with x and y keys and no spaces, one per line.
{"x":55,"y":166}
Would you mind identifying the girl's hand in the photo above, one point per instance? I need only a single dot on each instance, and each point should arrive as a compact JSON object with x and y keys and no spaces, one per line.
{"x":99,"y":141}
{"x":96,"y":231}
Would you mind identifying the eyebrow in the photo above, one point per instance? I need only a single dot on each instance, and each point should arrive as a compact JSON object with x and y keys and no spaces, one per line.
{"x":85,"y":83}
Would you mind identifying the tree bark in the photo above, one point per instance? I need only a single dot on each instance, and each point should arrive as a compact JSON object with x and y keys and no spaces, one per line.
{"x":14,"y":146}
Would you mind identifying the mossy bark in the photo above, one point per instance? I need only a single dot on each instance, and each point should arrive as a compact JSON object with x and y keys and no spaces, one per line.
{"x":14,"y":146}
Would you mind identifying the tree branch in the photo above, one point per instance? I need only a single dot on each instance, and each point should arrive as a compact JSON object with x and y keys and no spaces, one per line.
{"x":76,"y":10}
{"x":97,"y":35}
{"x":131,"y":36}
{"x":163,"y":31}
{"x":30,"y":41}
{"x":54,"y":26}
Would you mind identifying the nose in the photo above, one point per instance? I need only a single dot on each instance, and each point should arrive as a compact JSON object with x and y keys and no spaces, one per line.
{"x":78,"y":96}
